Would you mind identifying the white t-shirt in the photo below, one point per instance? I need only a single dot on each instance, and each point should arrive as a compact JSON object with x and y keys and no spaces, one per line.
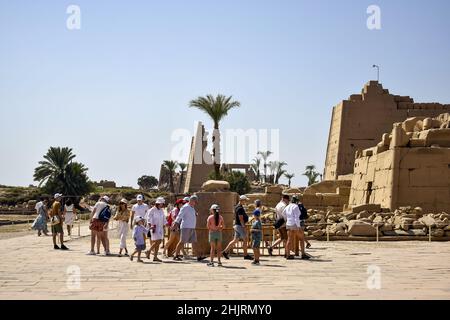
{"x":99,"y":206}
{"x":292,"y":212}
{"x":279,"y":210}
{"x":139,"y":210}
{"x":38,"y":206}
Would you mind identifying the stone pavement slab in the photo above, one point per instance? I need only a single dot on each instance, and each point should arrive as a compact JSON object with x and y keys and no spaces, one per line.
{"x":31,"y":269}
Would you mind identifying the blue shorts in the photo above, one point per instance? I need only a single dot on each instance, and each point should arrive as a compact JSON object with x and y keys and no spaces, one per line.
{"x":256,"y":243}
{"x":140,"y":247}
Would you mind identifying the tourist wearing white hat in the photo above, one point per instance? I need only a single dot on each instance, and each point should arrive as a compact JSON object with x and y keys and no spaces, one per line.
{"x":139,"y":209}
{"x":215,"y":224}
{"x":139,"y":232}
{"x":97,"y":226}
{"x":57,"y":222}
{"x":123,"y":217}
{"x":155,"y":222}
{"x":240,"y":230}
{"x":187,"y":222}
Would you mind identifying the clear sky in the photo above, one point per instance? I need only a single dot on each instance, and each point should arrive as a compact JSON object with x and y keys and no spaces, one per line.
{"x":116,"y":89}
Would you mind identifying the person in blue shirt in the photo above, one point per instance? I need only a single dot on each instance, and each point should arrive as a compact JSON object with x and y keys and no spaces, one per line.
{"x":256,"y":232}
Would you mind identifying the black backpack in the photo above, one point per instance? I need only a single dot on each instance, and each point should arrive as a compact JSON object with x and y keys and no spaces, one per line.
{"x":303,"y":212}
{"x":105,"y":214}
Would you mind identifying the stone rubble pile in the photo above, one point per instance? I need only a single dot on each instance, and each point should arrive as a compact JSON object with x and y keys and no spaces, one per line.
{"x":363,"y":221}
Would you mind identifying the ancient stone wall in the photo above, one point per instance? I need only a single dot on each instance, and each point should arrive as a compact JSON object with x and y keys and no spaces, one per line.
{"x":409,"y":167}
{"x":358,"y":123}
{"x":200,"y":162}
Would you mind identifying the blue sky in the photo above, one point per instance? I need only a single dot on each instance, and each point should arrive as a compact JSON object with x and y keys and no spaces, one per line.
{"x":116,"y":89}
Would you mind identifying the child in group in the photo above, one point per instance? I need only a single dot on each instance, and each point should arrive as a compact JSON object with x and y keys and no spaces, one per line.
{"x":215,"y":225}
{"x":139,"y":233}
{"x":256,"y":231}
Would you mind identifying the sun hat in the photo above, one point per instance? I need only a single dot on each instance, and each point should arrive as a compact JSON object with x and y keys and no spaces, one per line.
{"x":138,"y":218}
{"x":243,"y":197}
{"x":215,"y":207}
{"x":123,"y":201}
{"x":140,"y":197}
{"x":160,"y":200}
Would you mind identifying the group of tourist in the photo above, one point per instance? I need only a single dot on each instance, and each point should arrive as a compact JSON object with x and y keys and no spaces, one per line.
{"x":57,"y":215}
{"x":149,"y":222}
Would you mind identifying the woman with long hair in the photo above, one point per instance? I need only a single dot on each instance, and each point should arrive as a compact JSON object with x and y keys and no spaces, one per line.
{"x":123,"y":217}
{"x":215,"y":224}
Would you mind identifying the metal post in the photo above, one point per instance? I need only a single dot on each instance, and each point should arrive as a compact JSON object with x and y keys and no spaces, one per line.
{"x":429,"y":233}
{"x":79,"y":234}
{"x":328,"y":234}
{"x":377,"y":232}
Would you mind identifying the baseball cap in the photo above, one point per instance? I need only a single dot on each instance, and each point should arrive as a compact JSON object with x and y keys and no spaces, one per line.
{"x":124,"y":201}
{"x":186,"y":199}
{"x":106,"y":198}
{"x":194,"y":197}
{"x":140,"y":197}
{"x":215,"y":207}
{"x":57,"y":195}
{"x":243,"y":197}
{"x":138,"y":218}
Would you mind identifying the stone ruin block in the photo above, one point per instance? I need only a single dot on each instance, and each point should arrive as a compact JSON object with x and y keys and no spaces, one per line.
{"x":366,"y":207}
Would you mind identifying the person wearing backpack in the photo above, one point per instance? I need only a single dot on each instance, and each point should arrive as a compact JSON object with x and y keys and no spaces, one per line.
{"x":99,"y":220}
{"x":303,"y":217}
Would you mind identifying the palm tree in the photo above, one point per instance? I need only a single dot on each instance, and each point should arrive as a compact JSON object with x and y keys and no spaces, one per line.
{"x":264,"y":155}
{"x":311,"y":174}
{"x":170,"y":166}
{"x":272,"y":167}
{"x":182,"y":167}
{"x":279,"y":171}
{"x":59,"y":173}
{"x":289,"y":176}
{"x":217,"y":108}
{"x":255,"y":167}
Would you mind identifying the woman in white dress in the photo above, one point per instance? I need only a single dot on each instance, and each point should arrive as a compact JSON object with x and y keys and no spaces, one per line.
{"x":69,"y":215}
{"x":155,"y":222}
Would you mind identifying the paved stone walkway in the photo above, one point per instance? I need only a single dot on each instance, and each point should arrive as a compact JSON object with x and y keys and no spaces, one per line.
{"x":31,"y":269}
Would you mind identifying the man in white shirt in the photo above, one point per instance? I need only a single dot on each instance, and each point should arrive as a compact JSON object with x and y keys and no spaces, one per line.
{"x":282,"y":232}
{"x":139,"y":209}
{"x":186,"y":221}
{"x":294,"y":230}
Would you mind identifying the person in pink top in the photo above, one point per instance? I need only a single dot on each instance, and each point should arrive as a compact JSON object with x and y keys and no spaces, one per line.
{"x":215,"y":225}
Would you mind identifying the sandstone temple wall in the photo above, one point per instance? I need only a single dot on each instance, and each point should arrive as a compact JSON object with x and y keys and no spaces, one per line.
{"x":409,"y":167}
{"x":358,"y":123}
